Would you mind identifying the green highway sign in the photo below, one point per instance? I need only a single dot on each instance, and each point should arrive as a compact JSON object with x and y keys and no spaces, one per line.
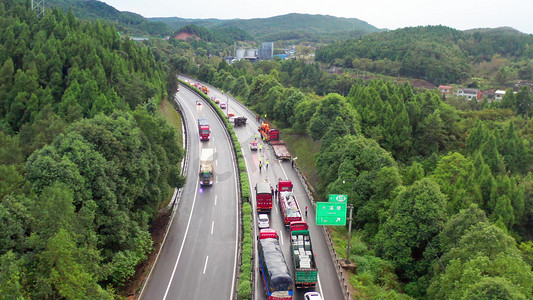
{"x":338,"y":198}
{"x":331,"y":213}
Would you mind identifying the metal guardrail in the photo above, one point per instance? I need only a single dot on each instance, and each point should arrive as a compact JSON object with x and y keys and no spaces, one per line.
{"x":329,"y":241}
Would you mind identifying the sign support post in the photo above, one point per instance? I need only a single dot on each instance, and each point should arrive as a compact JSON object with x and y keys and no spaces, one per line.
{"x":349,"y":235}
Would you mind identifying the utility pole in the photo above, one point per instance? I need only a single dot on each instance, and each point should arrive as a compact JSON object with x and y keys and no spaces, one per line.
{"x":38,"y":6}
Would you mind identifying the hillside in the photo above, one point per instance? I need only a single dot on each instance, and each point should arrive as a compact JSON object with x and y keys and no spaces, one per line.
{"x":285,"y":27}
{"x":126,"y":22}
{"x":438,"y":54}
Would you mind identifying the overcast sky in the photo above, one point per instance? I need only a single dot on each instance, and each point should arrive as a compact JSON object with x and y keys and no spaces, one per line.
{"x":390,"y":14}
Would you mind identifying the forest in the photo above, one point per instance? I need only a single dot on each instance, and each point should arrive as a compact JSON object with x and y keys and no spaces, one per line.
{"x":442,"y":191}
{"x":86,"y":160}
{"x":438,"y":54}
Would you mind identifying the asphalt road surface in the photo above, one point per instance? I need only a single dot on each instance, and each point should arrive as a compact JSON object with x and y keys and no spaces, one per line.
{"x":328,"y":284}
{"x":198,"y":257}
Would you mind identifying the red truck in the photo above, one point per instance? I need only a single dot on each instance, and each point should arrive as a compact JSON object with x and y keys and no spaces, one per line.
{"x":204,"y":129}
{"x":271,"y":136}
{"x":263,"y":196}
{"x":287,"y":203}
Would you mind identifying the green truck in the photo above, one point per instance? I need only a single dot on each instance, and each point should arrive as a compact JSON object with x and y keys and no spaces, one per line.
{"x":303,"y":258}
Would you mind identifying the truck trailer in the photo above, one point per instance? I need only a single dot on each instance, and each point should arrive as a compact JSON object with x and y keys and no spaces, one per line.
{"x":288,"y":205}
{"x":207,"y":167}
{"x":204,"y":130}
{"x":274,"y":270}
{"x":272,"y":136}
{"x":263,"y":196}
{"x":303,"y":258}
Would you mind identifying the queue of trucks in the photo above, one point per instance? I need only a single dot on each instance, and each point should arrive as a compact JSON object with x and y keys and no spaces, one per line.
{"x":276,"y":275}
{"x":273,"y":266}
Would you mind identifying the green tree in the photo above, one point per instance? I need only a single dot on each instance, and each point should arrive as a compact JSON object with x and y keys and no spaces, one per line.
{"x":458,"y":225}
{"x":11,"y":273}
{"x":484,"y":251}
{"x":416,"y":216}
{"x":413,"y":173}
{"x":329,"y":108}
{"x":60,"y":261}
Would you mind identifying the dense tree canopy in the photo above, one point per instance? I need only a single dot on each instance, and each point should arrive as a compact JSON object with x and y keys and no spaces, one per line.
{"x":85,"y":161}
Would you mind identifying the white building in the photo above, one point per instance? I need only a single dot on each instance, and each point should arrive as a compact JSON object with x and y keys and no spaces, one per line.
{"x":498,"y":95}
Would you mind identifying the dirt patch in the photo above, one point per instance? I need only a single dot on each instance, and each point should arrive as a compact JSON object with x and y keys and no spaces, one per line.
{"x":132,"y":288}
{"x":183,"y":36}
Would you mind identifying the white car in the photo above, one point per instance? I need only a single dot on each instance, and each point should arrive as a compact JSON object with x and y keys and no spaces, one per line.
{"x":223,"y":105}
{"x":312,"y":296}
{"x":253,"y":145}
{"x":263,"y":221}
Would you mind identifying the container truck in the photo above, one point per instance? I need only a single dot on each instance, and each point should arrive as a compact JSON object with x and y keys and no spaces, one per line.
{"x":207,"y":167}
{"x":274,"y":270}
{"x":288,"y":205}
{"x":204,"y":130}
{"x":303,"y":258}
{"x":271,"y":136}
{"x":263,"y":196}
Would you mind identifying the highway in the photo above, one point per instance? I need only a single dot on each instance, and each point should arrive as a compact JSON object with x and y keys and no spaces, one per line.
{"x":199,"y":255}
{"x":328,"y":284}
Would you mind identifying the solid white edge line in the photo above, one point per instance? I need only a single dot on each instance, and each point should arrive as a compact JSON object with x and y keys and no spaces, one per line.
{"x":205,"y":266}
{"x":182,"y":243}
{"x":281,"y":234}
{"x":212,"y":226}
{"x":216,"y":196}
{"x":320,"y":286}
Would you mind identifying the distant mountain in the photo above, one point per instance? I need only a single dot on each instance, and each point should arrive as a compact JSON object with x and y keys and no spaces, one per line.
{"x":290,"y":26}
{"x":127,"y":22}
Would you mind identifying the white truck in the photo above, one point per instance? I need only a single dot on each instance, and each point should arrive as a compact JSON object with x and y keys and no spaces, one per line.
{"x":207,"y":167}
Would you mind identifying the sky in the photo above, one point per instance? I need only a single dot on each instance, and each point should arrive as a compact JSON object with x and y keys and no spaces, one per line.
{"x":389,"y":14}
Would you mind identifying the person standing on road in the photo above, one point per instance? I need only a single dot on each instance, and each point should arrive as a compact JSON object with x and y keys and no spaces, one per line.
{"x":260,"y":147}
{"x":266,"y":163}
{"x":255,"y":137}
{"x":260,"y":165}
{"x":276,"y":192}
{"x":306,"y":211}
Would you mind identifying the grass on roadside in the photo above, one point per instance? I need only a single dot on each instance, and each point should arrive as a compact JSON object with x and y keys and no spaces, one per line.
{"x":305,"y":149}
{"x":174,"y":119}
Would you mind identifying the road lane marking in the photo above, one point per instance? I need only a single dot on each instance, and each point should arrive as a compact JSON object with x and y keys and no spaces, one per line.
{"x":206,"y":260}
{"x":212,"y":226}
{"x":216,"y":196}
{"x":320,"y":285}
{"x":281,"y":234}
{"x":182,"y":243}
